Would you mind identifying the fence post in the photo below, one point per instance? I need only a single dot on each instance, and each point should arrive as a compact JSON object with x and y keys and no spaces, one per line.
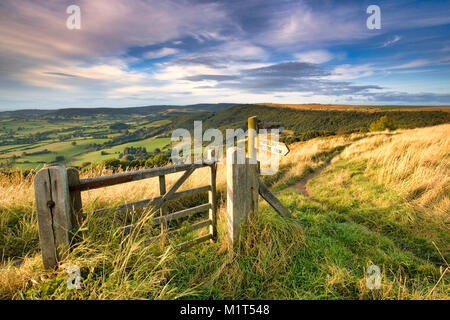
{"x":212,"y":198}
{"x":76,"y":207}
{"x":242,"y":194}
{"x":163,"y":210}
{"x":53,"y":212}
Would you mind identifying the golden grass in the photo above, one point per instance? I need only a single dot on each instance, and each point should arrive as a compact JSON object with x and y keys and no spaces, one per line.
{"x":416,"y":163}
{"x":305,"y":156}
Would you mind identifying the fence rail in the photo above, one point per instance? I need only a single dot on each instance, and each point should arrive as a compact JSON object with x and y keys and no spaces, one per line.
{"x":110,"y":180}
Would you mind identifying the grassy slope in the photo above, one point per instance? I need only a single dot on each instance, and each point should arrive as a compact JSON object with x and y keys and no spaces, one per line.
{"x":354,"y":220}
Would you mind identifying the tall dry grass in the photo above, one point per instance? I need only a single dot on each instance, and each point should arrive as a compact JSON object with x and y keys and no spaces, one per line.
{"x":416,"y":163}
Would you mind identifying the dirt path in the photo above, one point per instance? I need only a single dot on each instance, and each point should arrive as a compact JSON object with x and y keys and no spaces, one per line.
{"x":301,"y":185}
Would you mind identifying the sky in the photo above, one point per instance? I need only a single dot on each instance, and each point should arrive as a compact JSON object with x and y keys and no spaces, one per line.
{"x":147,"y":52}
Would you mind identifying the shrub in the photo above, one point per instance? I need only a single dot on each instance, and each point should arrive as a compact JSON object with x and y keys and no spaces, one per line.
{"x":382,"y":124}
{"x":60,"y":158}
{"x":111,"y":163}
{"x":160,"y":160}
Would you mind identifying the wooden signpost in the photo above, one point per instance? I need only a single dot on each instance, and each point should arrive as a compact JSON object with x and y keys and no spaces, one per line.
{"x":243,"y":185}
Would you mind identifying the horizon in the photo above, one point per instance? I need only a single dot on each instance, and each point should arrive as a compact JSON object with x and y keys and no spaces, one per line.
{"x":129,"y":54}
{"x":233,"y":104}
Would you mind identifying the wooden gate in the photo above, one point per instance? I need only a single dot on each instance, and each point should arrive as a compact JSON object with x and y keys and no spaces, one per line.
{"x":60,"y":211}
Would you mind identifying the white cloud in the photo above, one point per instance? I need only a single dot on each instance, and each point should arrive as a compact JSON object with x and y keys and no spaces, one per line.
{"x":109,"y":74}
{"x":413,"y":64}
{"x":163,"y":52}
{"x":300,"y":25}
{"x":315,"y":56}
{"x":347,"y":72}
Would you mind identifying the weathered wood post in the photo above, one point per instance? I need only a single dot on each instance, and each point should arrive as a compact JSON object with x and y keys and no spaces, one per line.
{"x":51,"y":188}
{"x":163,"y":210}
{"x":242,"y":194}
{"x":212,"y":198}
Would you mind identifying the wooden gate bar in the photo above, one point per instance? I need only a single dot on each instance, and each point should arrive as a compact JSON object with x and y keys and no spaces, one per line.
{"x":110,"y":180}
{"x":273,"y":200}
{"x":148,"y":202}
{"x":182,"y":213}
{"x":195,"y":241}
{"x":160,"y":203}
{"x":192,"y":227}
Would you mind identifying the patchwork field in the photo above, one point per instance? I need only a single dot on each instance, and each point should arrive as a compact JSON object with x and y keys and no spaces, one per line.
{"x":75,"y":141}
{"x":150,"y":144}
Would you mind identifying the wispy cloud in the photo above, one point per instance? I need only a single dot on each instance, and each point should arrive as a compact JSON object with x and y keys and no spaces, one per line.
{"x":412,"y":64}
{"x":315,"y":56}
{"x":391,"y":42}
{"x":164,"y":52}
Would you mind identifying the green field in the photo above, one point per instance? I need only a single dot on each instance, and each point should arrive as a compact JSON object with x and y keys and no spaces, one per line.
{"x":30,"y":143}
{"x":150,"y":144}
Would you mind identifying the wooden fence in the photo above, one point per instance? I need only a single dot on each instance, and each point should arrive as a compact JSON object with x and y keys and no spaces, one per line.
{"x":60,"y":211}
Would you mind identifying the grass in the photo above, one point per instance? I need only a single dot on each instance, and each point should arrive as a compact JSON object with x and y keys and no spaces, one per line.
{"x":353,"y":220}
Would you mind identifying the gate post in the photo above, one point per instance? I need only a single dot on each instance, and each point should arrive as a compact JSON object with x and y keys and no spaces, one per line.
{"x":51,"y":189}
{"x":242,"y":194}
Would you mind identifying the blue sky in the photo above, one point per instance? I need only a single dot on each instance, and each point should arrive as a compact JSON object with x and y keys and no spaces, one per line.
{"x":144,"y":52}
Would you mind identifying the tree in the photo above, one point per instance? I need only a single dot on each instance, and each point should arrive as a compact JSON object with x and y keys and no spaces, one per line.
{"x":382,"y":124}
{"x":160,"y":160}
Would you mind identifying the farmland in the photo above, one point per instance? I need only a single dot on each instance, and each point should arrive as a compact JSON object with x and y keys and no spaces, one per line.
{"x":73,"y":143}
{"x":81,"y":137}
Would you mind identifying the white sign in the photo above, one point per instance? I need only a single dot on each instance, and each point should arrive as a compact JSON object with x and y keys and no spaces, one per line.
{"x":278,"y":148}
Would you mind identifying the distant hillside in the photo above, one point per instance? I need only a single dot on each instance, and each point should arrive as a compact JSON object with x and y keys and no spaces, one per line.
{"x":301,"y":121}
{"x":84,"y":112}
{"x":347,"y":107}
